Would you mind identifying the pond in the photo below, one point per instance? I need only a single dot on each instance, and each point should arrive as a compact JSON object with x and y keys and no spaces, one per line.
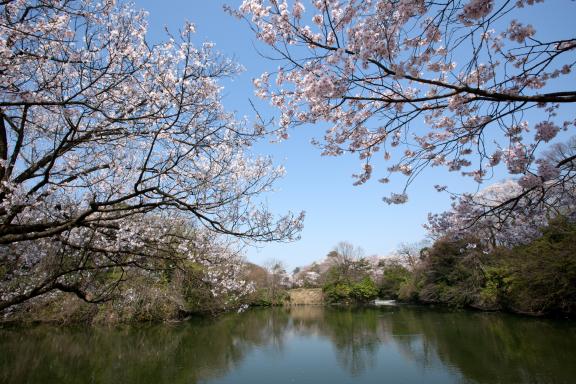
{"x":304,"y":344}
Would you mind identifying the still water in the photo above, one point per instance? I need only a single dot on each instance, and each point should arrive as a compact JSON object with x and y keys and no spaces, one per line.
{"x":300,"y":345}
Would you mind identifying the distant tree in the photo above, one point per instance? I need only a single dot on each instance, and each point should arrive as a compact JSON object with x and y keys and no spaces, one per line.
{"x":315,"y":267}
{"x":277,"y":277}
{"x":479,"y":215}
{"x":256,"y":274}
{"x":311,"y":279}
{"x":409,"y":254}
{"x":394,"y":275}
{"x":347,"y":263}
{"x":106,"y":141}
{"x":563,"y":152}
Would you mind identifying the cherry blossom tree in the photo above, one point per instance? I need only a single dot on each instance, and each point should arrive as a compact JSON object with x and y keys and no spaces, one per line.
{"x":110,"y":145}
{"x":509,"y":213}
{"x":471,"y":217}
{"x":347,"y":262}
{"x":504,"y":214}
{"x":464,"y":84}
{"x":277,"y":279}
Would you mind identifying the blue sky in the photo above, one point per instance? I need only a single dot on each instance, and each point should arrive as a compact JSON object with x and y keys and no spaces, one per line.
{"x":322,"y":186}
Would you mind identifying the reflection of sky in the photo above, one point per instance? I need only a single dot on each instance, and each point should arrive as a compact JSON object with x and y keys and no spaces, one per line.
{"x":322,"y":187}
{"x":317,"y":350}
{"x":314,"y":359}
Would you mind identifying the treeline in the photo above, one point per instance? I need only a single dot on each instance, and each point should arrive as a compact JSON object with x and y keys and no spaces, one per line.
{"x":345,"y":275}
{"x":537,"y":278}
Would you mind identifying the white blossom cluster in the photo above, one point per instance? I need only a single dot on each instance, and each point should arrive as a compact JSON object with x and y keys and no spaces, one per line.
{"x":100,"y":130}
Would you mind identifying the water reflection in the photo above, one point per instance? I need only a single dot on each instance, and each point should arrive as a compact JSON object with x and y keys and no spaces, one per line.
{"x":304,"y":344}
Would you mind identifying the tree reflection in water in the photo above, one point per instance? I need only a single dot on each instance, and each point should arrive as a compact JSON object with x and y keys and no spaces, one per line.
{"x":366,"y":343}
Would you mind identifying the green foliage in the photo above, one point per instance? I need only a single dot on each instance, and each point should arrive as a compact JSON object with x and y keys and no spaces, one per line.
{"x":393,"y":277}
{"x":364,"y":291}
{"x":537,"y":278}
{"x":142,"y":296}
{"x":360,"y":292}
{"x":452,"y":273}
{"x":496,"y":286}
{"x":337,"y":293}
{"x":543,"y":273}
{"x":195,"y":293}
{"x":335,"y":275}
{"x":264,"y":297}
{"x":408,"y":291}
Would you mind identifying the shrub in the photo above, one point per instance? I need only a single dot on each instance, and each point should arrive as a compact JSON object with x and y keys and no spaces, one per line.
{"x":337,"y":293}
{"x":394,"y":276}
{"x":364,"y":291}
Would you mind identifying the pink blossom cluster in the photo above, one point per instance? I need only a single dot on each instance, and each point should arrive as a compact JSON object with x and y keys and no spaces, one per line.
{"x":518,"y":32}
{"x":546,"y":131}
{"x":517,"y":158}
{"x":479,"y":216}
{"x":477,"y":9}
{"x":396,"y":198}
{"x":441,"y":80}
{"x":522,"y":3}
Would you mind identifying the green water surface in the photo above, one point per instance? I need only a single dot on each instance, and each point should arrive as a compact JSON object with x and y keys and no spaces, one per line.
{"x":300,"y":345}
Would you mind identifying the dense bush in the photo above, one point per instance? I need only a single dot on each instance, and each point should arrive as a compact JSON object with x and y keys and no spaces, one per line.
{"x":394,"y":276}
{"x":541,"y":276}
{"x":263,"y":297}
{"x":538,"y":278}
{"x":453,"y":273}
{"x":362,"y":291}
